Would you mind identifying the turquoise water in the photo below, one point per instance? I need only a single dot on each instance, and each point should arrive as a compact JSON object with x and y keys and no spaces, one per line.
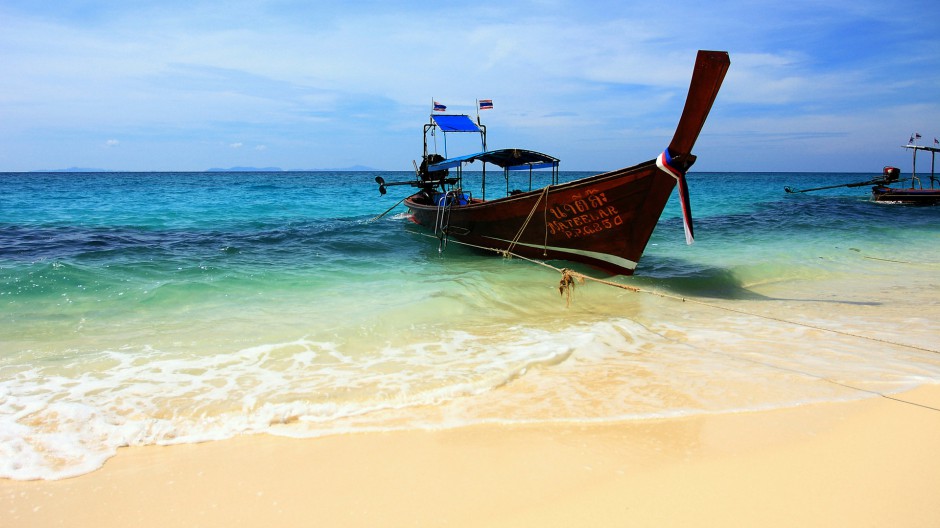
{"x":160,"y":308}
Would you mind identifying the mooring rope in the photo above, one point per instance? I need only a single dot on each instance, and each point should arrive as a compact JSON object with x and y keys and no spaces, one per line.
{"x":635,"y":289}
{"x":525,"y":224}
{"x":568,"y":282}
{"x":815,"y":376}
{"x":387,"y":210}
{"x":570,"y":277}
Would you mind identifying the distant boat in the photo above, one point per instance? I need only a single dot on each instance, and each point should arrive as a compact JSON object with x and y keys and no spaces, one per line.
{"x":882,"y":191}
{"x":604,"y":220}
{"x":916,"y":194}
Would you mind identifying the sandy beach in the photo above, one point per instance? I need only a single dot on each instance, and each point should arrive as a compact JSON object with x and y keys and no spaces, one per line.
{"x":871,"y":462}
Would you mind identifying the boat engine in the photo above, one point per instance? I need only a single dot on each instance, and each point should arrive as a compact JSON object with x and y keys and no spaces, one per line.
{"x":433,"y":177}
{"x":891,"y":174}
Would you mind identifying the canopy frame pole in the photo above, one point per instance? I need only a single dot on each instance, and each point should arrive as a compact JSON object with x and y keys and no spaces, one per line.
{"x":933,"y":158}
{"x":483,"y":142}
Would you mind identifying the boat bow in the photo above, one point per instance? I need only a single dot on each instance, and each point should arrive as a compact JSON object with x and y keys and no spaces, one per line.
{"x":707,"y":77}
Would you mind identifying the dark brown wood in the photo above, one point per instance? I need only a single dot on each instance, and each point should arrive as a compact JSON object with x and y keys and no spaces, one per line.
{"x":707,"y":77}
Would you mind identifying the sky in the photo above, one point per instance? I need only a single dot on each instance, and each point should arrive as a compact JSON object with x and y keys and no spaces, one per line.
{"x":814,"y":85}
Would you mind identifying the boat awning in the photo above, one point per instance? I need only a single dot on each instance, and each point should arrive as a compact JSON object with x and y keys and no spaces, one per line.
{"x":922,"y":147}
{"x":510,"y":159}
{"x":455,"y":123}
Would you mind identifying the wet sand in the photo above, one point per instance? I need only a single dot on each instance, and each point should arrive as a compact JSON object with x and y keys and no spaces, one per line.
{"x":871,"y":462}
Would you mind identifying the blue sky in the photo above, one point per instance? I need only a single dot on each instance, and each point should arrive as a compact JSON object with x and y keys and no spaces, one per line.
{"x":188,"y":85}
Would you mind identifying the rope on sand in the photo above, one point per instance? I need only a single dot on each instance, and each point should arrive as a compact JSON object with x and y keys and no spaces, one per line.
{"x":570,"y":278}
{"x":568,"y":283}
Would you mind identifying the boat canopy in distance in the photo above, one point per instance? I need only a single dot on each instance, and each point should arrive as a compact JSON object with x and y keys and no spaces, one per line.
{"x":455,"y":123}
{"x":923,"y":147}
{"x":509,"y":159}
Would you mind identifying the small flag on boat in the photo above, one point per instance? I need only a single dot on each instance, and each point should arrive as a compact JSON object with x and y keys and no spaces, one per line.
{"x":486,"y":104}
{"x":914,"y":136}
{"x":438,"y":107}
{"x":936,"y":141}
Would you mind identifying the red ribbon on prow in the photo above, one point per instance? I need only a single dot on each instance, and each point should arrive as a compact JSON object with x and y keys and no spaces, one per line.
{"x":664,"y":162}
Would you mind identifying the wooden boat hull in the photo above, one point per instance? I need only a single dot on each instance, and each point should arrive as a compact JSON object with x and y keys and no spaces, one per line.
{"x":906,"y":196}
{"x":605,"y":220}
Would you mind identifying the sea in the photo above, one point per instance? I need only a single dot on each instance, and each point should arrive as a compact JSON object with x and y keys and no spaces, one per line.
{"x":160,"y":308}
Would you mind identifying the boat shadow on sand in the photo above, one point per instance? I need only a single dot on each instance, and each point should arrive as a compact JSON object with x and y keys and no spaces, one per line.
{"x":657,"y":274}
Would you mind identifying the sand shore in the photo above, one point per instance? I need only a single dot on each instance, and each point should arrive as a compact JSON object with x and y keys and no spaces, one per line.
{"x":874,"y":462}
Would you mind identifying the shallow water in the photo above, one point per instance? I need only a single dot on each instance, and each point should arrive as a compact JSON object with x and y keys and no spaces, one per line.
{"x":156,"y":308}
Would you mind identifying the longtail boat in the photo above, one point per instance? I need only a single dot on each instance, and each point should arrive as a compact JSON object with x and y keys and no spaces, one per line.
{"x":881,"y":191}
{"x":604,"y":220}
{"x":916,"y":194}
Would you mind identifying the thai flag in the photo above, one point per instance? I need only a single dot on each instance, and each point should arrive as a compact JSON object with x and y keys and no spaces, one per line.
{"x":486,"y":104}
{"x":438,"y":107}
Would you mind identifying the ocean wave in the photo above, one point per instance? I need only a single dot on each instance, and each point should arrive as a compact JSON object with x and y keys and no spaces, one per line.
{"x":65,"y":416}
{"x":60,"y":419}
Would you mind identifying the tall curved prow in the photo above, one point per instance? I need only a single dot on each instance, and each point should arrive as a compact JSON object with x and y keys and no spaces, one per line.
{"x":709,"y":73}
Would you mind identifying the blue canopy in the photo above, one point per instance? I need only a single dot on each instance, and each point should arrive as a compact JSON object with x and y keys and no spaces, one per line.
{"x":455,"y":123}
{"x":510,"y":159}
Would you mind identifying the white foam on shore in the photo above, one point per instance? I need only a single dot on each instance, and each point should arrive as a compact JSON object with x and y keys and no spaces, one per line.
{"x":60,"y":420}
